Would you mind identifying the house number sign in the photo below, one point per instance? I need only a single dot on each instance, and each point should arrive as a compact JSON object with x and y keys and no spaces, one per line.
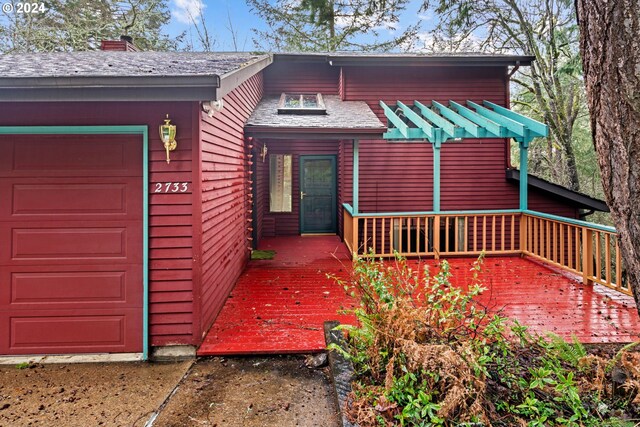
{"x":171,"y":187}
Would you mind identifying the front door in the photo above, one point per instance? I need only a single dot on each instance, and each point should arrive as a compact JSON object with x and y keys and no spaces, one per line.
{"x":318,"y":199}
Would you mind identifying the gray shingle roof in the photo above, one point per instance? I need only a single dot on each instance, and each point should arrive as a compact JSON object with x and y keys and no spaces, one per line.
{"x":121,"y":64}
{"x":340,"y":115}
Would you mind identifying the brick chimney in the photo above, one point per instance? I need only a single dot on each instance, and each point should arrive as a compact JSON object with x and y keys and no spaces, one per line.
{"x":125,"y":44}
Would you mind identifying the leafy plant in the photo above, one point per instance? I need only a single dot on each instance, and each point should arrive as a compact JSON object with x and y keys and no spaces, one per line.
{"x":426,"y":353}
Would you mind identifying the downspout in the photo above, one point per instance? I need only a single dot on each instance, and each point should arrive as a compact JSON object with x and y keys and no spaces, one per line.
{"x":507,"y":102}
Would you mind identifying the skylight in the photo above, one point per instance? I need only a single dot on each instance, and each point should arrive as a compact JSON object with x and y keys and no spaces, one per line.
{"x":301,"y":103}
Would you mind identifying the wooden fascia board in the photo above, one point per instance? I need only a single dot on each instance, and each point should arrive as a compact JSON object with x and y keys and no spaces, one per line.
{"x":313,"y":133}
{"x":582,"y":200}
{"x":235,"y":78}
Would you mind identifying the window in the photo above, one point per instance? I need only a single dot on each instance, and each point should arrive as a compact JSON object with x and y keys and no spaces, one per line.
{"x":300,"y":103}
{"x":280,"y":182}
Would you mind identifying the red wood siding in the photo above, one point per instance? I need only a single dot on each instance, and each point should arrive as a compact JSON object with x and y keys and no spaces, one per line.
{"x":301,"y":78}
{"x":288,"y":224}
{"x":391,"y":84}
{"x":261,"y":186}
{"x":171,"y":274}
{"x":225,"y":194}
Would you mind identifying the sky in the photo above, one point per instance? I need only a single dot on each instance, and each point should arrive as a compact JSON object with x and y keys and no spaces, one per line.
{"x":218,"y":13}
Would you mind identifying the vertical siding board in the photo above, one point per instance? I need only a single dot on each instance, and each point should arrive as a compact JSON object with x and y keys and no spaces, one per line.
{"x":225,"y":194}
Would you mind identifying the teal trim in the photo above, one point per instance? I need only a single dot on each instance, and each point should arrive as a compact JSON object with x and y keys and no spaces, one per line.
{"x":419,"y":121}
{"x":489,"y":125}
{"x":349,"y":209}
{"x":145,"y":242}
{"x":571,"y":221}
{"x":112,"y":130}
{"x":446,"y":126}
{"x":458,"y":120}
{"x":524,"y":176}
{"x":439,"y":123}
{"x":356,"y":174}
{"x":436,"y":176}
{"x":333,"y":228}
{"x":513,"y":126}
{"x":539,"y":129}
{"x":395,"y":120}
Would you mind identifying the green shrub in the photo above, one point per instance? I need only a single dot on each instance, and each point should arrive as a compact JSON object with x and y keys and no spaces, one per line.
{"x":426,"y":353}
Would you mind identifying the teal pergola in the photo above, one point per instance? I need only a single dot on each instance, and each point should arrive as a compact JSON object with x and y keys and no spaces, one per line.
{"x":438,"y":123}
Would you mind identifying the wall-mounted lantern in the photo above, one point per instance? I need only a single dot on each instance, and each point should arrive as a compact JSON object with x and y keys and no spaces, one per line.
{"x":168,"y":136}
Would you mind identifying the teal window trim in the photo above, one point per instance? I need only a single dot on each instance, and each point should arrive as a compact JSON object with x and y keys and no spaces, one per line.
{"x":142,"y":130}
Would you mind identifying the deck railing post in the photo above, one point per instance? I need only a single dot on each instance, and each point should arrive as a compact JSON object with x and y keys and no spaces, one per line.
{"x":524,"y":228}
{"x":436,"y":237}
{"x":587,"y":256}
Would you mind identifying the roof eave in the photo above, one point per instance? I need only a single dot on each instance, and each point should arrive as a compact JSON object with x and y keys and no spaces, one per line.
{"x":112,"y":88}
{"x":417,"y":60}
{"x":235,"y":78}
{"x":312,"y":132}
{"x":432,"y":61}
{"x":581,"y":200}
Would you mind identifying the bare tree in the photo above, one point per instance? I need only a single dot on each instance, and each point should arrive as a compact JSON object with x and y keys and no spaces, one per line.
{"x":610,"y":48}
{"x":551,"y":88}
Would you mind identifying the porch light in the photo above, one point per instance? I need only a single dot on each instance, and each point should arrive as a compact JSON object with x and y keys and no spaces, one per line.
{"x":168,"y":136}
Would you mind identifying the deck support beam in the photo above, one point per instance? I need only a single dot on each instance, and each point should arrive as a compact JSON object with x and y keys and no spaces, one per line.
{"x":524,"y":174}
{"x":356,"y":167}
{"x":436,"y":175}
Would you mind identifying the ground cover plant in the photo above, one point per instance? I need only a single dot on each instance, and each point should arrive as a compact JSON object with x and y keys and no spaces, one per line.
{"x":426,"y":353}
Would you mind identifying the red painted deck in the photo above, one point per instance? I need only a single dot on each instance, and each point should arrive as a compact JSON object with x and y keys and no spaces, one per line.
{"x":279,"y":306}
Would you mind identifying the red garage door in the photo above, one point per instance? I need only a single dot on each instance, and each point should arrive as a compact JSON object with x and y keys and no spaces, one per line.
{"x":70,"y":244}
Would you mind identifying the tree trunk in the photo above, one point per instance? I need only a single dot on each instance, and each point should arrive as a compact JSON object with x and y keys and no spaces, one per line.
{"x":610,"y":48}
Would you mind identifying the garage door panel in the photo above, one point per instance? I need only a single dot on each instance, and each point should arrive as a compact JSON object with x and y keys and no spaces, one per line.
{"x":77,"y":155}
{"x":56,"y":288}
{"x":62,"y":331}
{"x":71,"y":244}
{"x":71,"y":287}
{"x":69,"y":199}
{"x":50,"y":244}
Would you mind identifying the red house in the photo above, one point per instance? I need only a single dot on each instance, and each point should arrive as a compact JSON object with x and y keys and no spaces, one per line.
{"x":107,"y":247}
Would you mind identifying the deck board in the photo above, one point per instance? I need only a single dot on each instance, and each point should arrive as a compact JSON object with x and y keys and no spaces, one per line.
{"x":279,"y":306}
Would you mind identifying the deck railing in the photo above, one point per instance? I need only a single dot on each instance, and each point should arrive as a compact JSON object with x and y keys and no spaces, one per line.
{"x":586,"y":249}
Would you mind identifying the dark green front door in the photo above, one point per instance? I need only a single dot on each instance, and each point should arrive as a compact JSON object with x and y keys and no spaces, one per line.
{"x":318,"y":199}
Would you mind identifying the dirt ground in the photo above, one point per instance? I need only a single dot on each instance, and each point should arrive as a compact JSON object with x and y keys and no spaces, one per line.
{"x":278,"y":391}
{"x":82,"y":395}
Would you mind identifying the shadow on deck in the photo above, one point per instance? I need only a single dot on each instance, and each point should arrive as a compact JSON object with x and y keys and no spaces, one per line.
{"x":279,"y":306}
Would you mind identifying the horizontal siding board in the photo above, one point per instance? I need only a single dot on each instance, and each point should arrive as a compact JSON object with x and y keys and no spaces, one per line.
{"x":301,"y":78}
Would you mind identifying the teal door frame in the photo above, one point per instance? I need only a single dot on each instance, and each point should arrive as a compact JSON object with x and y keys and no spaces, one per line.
{"x":112,"y":130}
{"x":334,"y":192}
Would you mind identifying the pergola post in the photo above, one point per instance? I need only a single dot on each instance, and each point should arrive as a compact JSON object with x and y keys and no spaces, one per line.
{"x":524,"y":174}
{"x":356,"y":167}
{"x":437,"y":145}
